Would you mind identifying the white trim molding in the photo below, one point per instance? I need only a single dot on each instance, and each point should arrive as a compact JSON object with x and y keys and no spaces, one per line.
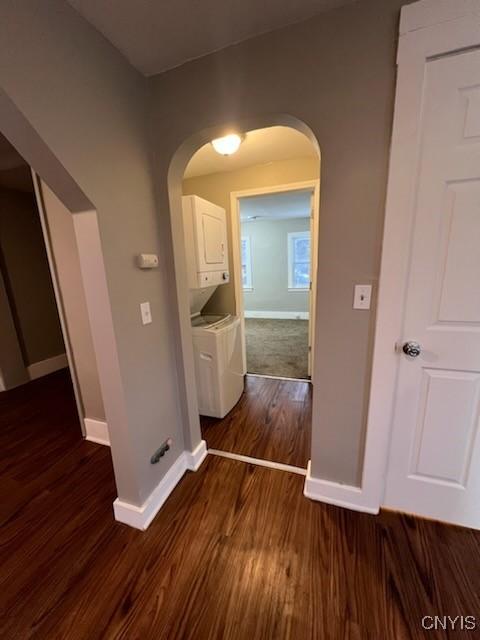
{"x":278,"y":315}
{"x":96,"y":431}
{"x":62,"y":314}
{"x":427,"y":13}
{"x":44,"y":367}
{"x":141,"y":517}
{"x":340,"y":495}
{"x":264,"y":375}
{"x":279,"y":466}
{"x":429,"y":28}
{"x":197,"y":456}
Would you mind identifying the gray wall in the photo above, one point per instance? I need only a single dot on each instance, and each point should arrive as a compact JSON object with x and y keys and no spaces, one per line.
{"x":67,"y":266}
{"x":27,"y":277}
{"x":89,"y":107}
{"x":268,"y":244}
{"x":335,"y":73}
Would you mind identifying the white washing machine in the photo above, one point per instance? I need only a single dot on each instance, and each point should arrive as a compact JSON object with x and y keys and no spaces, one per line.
{"x":217,"y":346}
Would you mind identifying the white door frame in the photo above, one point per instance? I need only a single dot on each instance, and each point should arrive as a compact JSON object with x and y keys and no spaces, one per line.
{"x":58,"y":299}
{"x":235,"y":197}
{"x":428,"y":29}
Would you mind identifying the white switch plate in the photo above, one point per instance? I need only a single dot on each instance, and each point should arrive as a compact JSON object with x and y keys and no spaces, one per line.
{"x":362,"y":297}
{"x":146,"y":313}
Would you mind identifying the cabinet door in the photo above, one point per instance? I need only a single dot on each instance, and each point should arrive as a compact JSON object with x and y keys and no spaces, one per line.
{"x":211,"y":235}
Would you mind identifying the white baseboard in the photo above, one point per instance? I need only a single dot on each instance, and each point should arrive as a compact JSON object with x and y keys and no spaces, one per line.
{"x":96,"y":431}
{"x":340,"y":495}
{"x":277,"y":315}
{"x":197,"y":456}
{"x":141,"y":517}
{"x":264,"y":375}
{"x":44,"y":367}
{"x":278,"y":466}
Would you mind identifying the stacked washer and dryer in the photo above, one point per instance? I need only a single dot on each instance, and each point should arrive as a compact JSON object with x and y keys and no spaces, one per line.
{"x":217,"y":339}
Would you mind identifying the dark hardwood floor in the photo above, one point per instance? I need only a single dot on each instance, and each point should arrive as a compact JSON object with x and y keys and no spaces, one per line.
{"x":40,"y":440}
{"x":272,"y":421}
{"x":236,"y":553}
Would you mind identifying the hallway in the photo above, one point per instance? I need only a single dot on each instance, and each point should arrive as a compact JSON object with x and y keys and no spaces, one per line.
{"x":236,"y":552}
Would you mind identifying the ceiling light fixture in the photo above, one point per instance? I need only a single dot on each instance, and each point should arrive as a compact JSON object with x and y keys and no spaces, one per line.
{"x":227,"y":145}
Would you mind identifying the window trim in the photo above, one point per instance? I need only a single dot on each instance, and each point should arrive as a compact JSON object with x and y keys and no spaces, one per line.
{"x":291,"y":237}
{"x":248,"y":263}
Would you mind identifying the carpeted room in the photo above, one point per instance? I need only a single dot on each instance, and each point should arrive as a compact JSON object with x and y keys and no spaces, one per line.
{"x":277,"y":347}
{"x":275,"y":235}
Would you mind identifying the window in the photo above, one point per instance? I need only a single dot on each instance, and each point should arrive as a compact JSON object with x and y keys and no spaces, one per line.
{"x":299,"y":260}
{"x":246,"y":264}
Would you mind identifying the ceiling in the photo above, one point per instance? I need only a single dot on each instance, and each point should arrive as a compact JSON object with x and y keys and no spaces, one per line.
{"x":156,"y":35}
{"x":259,"y":147}
{"x":276,"y":206}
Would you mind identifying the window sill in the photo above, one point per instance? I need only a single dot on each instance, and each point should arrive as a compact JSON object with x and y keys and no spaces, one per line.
{"x":298,"y":289}
{"x":247,"y":289}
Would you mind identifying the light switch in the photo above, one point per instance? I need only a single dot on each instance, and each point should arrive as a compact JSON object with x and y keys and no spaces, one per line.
{"x":362,"y":297}
{"x":146,"y":313}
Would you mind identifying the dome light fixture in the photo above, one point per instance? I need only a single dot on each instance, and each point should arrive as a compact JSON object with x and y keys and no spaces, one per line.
{"x":227,"y":145}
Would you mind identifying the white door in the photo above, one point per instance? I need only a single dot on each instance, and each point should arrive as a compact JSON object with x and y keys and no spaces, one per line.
{"x":434,"y":464}
{"x":211,"y":230}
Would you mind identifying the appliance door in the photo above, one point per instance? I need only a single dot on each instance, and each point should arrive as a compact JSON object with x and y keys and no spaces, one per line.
{"x":207,"y":373}
{"x":230,"y":365}
{"x":211,"y":236}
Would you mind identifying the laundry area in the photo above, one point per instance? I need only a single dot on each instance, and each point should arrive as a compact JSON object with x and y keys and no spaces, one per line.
{"x":257,"y":416}
{"x":217,"y":339}
{"x":249,"y":214}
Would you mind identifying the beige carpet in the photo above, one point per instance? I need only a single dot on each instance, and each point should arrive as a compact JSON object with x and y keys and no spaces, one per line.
{"x":277,"y":347}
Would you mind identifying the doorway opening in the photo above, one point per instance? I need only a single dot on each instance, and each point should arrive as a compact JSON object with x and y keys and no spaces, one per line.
{"x":250,"y":230}
{"x":33,"y":343}
{"x":50,"y":395}
{"x":277,"y":225}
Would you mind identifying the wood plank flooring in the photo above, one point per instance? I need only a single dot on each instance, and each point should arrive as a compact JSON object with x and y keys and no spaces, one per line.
{"x":271,"y":421}
{"x":236,"y":553}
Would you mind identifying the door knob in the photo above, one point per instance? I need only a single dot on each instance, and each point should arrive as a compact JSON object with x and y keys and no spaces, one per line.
{"x":412,"y":349}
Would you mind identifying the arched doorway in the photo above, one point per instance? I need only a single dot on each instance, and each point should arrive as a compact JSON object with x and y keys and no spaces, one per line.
{"x":186,"y":357}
